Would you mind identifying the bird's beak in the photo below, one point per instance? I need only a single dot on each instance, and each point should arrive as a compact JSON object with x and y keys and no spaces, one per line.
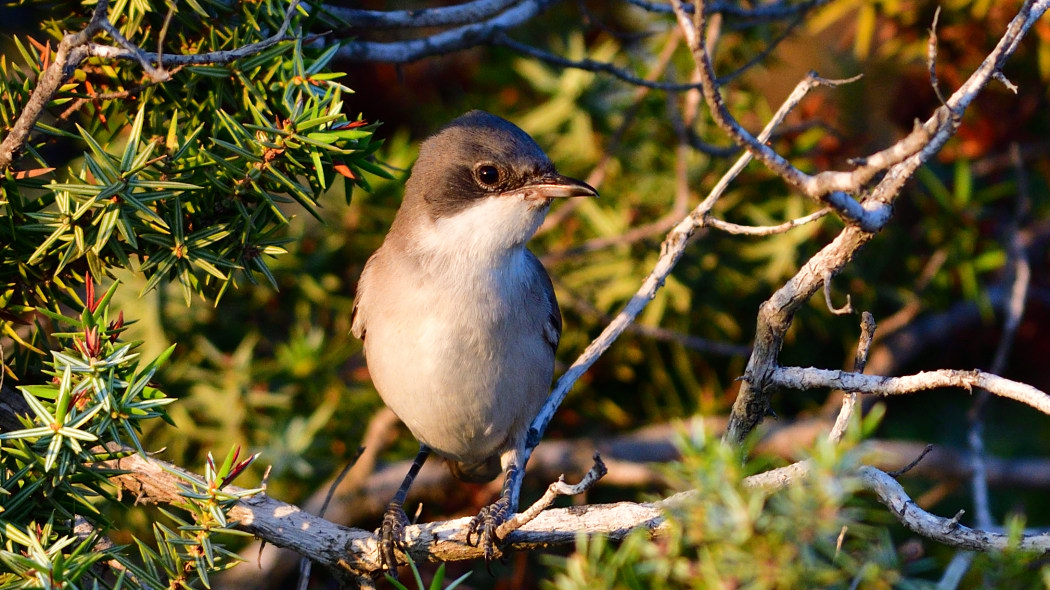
{"x":551,"y":186}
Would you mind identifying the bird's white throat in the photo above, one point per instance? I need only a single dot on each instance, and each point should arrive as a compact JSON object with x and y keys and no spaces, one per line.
{"x":491,"y":233}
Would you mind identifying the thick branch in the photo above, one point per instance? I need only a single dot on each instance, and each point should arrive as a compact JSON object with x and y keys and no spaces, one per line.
{"x":355,"y":550}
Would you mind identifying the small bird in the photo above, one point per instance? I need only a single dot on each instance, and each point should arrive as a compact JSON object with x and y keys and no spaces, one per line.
{"x":458,"y":318}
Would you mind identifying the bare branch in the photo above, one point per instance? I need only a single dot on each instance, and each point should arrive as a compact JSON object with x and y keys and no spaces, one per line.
{"x":659,"y":334}
{"x":867,"y":334}
{"x":589,"y":65}
{"x":826,"y":187}
{"x":470,"y":35}
{"x":931,"y":56}
{"x":556,"y":489}
{"x":1002,"y":79}
{"x":356,"y":551}
{"x":275,"y":564}
{"x":849,"y":406}
{"x":777,"y":313}
{"x":845,"y":309}
{"x":1014,"y":310}
{"x":212,"y":57}
{"x":892,"y":495}
{"x":442,"y":16}
{"x":155,"y":74}
{"x":899,"y":472}
{"x":943,"y":530}
{"x":766,"y":230}
{"x":849,"y":399}
{"x":812,"y":378}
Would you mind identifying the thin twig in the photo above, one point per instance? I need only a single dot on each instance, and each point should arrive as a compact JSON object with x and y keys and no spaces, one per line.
{"x":212,"y":57}
{"x":846,"y":309}
{"x":943,"y":530}
{"x":556,"y":489}
{"x":899,"y":472}
{"x":830,"y":187}
{"x":931,"y":57}
{"x":588,"y":65}
{"x":656,"y":333}
{"x":155,"y":74}
{"x":1014,"y":311}
{"x":765,"y":230}
{"x":74,"y":48}
{"x":860,"y":360}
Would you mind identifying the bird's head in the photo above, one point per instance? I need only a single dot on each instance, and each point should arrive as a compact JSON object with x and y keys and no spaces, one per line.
{"x":485,"y":183}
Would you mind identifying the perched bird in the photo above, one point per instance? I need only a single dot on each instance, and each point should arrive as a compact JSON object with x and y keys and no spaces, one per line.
{"x":458,"y":318}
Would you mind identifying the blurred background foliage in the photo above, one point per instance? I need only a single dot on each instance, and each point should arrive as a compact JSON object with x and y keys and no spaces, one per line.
{"x":263,"y":355}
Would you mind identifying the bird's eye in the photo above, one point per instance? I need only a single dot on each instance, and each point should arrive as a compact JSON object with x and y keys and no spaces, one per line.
{"x":487,"y":174}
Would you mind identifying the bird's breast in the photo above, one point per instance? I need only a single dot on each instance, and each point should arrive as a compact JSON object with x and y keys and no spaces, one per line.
{"x":460,"y":354}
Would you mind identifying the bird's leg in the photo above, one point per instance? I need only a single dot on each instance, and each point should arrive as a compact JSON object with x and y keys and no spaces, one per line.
{"x":490,"y":518}
{"x":392,"y":531}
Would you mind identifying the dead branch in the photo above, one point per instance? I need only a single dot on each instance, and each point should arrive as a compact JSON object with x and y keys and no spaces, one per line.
{"x":860,"y":360}
{"x":811,"y":378}
{"x":355,"y":551}
{"x":459,"y":14}
{"x":943,"y":530}
{"x":776,"y":314}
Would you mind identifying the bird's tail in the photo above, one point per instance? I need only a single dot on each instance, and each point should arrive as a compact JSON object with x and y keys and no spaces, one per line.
{"x":481,"y":472}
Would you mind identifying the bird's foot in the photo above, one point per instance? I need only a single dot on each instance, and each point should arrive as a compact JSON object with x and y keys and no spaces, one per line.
{"x":485,"y":524}
{"x":392,"y":536}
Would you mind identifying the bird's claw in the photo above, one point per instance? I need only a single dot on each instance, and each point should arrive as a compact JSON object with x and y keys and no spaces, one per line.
{"x":485,"y":524}
{"x":392,"y":536}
